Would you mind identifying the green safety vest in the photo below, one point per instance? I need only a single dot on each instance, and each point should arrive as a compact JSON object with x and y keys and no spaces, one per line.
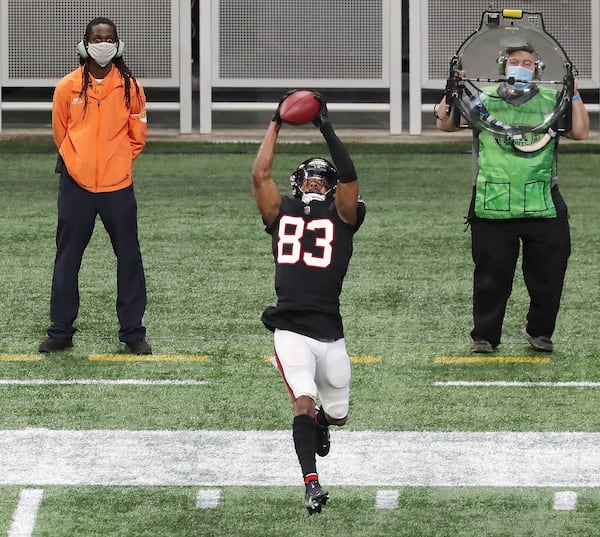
{"x":510,"y":183}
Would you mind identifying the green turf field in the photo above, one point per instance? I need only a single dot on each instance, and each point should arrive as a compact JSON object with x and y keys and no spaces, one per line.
{"x":406,"y":301}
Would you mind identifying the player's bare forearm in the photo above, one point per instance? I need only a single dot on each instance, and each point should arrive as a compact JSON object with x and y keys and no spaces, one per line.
{"x":261,"y":169}
{"x":266,"y":193}
{"x":346,"y":201}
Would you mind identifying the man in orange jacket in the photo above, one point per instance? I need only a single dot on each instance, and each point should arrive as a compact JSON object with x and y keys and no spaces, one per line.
{"x":99,"y":127}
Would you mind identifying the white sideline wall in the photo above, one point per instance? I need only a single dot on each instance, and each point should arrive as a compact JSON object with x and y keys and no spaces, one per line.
{"x":356,"y":46}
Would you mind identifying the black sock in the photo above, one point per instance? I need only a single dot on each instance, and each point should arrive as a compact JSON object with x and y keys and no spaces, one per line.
{"x":305,"y":441}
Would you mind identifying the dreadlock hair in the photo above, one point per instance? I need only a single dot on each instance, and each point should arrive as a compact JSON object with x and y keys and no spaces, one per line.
{"x":124,"y":71}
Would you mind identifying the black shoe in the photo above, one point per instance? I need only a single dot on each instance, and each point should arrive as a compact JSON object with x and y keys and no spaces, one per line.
{"x":323,"y":439}
{"x":315,"y":497}
{"x":539,"y":343}
{"x":54,"y":344}
{"x":139,"y":346}
{"x":482,"y":346}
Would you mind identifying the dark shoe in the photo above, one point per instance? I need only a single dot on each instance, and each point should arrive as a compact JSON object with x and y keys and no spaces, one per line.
{"x":482,"y":346}
{"x":54,"y":344}
{"x":323,"y":439}
{"x":539,"y":343}
{"x":315,"y":497}
{"x":139,"y":346}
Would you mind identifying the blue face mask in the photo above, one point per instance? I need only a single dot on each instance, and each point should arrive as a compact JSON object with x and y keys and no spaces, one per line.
{"x":519,"y":73}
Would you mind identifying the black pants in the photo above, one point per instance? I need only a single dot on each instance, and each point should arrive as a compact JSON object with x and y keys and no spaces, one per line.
{"x":495,"y":248}
{"x":77,"y":210}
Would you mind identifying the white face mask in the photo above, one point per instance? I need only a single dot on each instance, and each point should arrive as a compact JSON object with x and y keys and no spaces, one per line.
{"x":102,"y":53}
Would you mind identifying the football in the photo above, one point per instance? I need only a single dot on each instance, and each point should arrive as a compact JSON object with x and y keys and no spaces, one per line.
{"x":300,"y":108}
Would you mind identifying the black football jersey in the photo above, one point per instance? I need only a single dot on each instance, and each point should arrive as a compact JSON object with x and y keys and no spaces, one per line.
{"x":312,"y":247}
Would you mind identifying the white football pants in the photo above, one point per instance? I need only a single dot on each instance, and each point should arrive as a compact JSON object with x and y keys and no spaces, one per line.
{"x":315,"y":368}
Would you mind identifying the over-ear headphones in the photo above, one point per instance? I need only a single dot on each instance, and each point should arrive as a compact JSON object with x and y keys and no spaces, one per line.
{"x":503,"y":59}
{"x":82,"y":49}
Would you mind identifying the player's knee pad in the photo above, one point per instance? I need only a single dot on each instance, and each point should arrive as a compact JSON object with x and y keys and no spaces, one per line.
{"x":338,"y":371}
{"x":338,"y":411}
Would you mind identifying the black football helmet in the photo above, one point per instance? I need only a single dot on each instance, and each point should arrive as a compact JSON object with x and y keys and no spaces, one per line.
{"x":314,"y":167}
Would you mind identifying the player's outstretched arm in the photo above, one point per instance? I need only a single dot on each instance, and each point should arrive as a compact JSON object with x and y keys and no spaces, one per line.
{"x":346,"y":192}
{"x":346,"y":201}
{"x":266,"y":193}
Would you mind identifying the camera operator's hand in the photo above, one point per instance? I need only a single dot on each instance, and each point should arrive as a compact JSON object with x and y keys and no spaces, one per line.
{"x":453,"y":84}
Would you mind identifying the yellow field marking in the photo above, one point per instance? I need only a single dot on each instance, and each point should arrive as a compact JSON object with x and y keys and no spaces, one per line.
{"x":148,"y":358}
{"x":492,"y":360}
{"x":365,"y":359}
{"x":20,"y":357}
{"x":353,"y":359}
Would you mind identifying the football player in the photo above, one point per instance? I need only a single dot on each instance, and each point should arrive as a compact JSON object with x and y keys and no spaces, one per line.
{"x":312,"y":235}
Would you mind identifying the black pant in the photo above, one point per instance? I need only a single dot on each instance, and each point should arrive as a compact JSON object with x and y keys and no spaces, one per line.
{"x":495,"y":248}
{"x":77,"y":210}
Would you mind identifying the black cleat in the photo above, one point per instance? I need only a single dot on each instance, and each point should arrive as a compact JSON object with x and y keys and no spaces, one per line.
{"x":323,"y":441}
{"x":315,"y":497}
{"x":54,"y":344}
{"x":139,"y":346}
{"x":323,"y":438}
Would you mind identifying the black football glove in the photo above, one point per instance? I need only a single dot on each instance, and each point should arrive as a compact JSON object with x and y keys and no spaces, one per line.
{"x":276,"y":115}
{"x":323,"y":116}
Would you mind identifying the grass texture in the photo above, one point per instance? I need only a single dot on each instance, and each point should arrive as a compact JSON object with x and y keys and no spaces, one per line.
{"x":209,"y":269}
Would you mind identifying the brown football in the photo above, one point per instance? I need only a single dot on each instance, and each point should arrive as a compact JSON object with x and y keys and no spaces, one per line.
{"x":300,"y":108}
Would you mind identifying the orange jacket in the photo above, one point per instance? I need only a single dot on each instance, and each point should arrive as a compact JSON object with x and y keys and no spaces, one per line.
{"x":98,"y":147}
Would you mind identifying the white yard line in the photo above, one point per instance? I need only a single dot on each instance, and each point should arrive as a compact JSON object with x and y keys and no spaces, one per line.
{"x":23,"y":521}
{"x":565,"y":501}
{"x":373,"y":458}
{"x":208,"y":498}
{"x":517,"y":384}
{"x":387,"y":499}
{"x":101,"y":382}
